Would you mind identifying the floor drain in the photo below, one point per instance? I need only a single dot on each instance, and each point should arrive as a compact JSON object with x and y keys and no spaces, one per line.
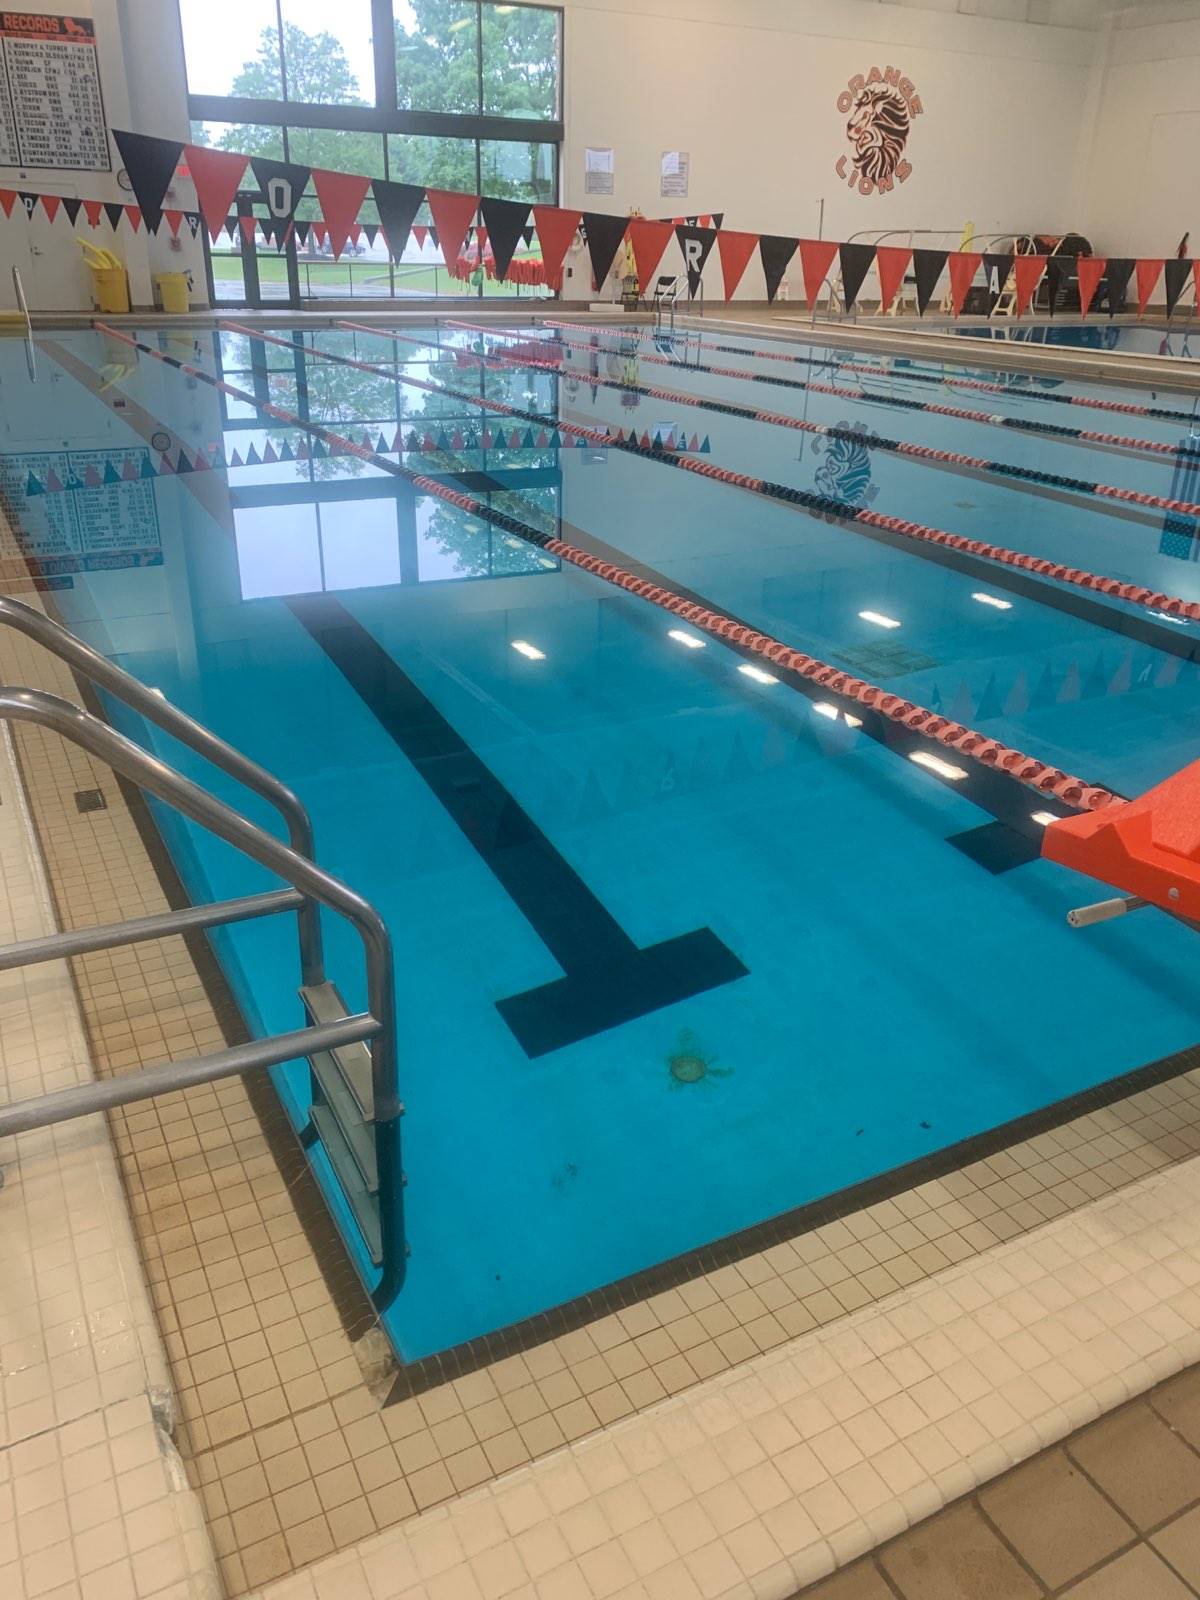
{"x":90,"y":800}
{"x":688,"y":1063}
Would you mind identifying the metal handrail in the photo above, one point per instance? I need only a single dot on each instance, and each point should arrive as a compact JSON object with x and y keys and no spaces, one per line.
{"x":23,"y":307}
{"x":152,"y":774}
{"x":155,"y":708}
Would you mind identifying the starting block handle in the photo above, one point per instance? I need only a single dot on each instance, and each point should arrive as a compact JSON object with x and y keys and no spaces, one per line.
{"x":1105,"y":910}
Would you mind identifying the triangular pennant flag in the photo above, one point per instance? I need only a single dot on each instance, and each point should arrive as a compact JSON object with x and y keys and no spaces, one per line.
{"x":996,"y":269}
{"x":381,"y":446}
{"x":527,"y":236}
{"x":134,"y":213}
{"x":1058,"y":272}
{"x":174,"y":218}
{"x":420,"y":233}
{"x":281,"y":185}
{"x":371,"y":229}
{"x":110,"y":473}
{"x":963,"y":266}
{"x":718,"y":220}
{"x":192,"y":218}
{"x":855,"y":261}
{"x":816,"y":258}
{"x":927,"y":269}
{"x":1176,"y":275}
{"x":339,"y":194}
{"x":217,"y":175}
{"x":183,"y":464}
{"x":735,"y":250}
{"x":146,"y":470}
{"x":150,"y":165}
{"x":92,"y":478}
{"x":775,"y":252}
{"x":302,"y":231}
{"x":891,"y":263}
{"x":235,"y":459}
{"x":1148,"y":273}
{"x":30,"y":201}
{"x":253,"y":459}
{"x":1090,"y":270}
{"x":166,"y":468}
{"x":649,"y":240}
{"x":504,"y":220}
{"x":318,"y":231}
{"x":556,"y":227}
{"x":696,"y":242}
{"x":53,"y":482}
{"x":8,"y":199}
{"x":71,"y":207}
{"x":604,"y":235}
{"x":481,"y":238}
{"x":452,"y":214}
{"x":1117,"y":275}
{"x":114,"y":211}
{"x":249,"y":227}
{"x":92,"y":210}
{"x":129,"y":470}
{"x":1027,"y":271}
{"x":355,"y":233}
{"x":51,"y":204}
{"x":269,"y":457}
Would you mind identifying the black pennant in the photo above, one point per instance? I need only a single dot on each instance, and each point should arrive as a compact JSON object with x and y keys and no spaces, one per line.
{"x":1175,"y":276}
{"x":71,"y":207}
{"x":302,"y":232}
{"x":113,"y":210}
{"x":996,"y":269}
{"x":696,"y":244}
{"x":604,"y":235}
{"x":527,"y":237}
{"x":718,"y":220}
{"x":281,"y":185}
{"x":192,"y":218}
{"x":927,"y":269}
{"x":150,"y":165}
{"x":855,"y":261}
{"x":1117,"y":273}
{"x":775,"y":252}
{"x":371,"y":229}
{"x":398,"y":204}
{"x":29,"y":201}
{"x":504,"y":220}
{"x":1058,"y":272}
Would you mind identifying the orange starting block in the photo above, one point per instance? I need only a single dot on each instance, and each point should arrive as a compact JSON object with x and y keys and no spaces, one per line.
{"x":1148,"y":847}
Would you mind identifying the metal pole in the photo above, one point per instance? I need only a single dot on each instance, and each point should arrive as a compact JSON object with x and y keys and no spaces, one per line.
{"x":159,"y":710}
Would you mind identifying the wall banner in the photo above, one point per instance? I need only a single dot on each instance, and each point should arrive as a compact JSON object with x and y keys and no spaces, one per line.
{"x":51,"y":108}
{"x":880,"y":108}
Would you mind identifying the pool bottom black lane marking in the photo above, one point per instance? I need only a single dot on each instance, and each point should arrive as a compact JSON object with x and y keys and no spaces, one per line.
{"x":607,"y":979}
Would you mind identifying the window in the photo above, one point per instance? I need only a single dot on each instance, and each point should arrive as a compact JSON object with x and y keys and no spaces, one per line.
{"x":520,"y":62}
{"x":328,"y":57}
{"x":426,"y":159}
{"x":517,"y":171}
{"x":437,"y":55}
{"x":216,"y":38}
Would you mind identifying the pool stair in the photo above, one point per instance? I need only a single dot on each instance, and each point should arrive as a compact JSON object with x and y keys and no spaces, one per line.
{"x":343,"y":1114}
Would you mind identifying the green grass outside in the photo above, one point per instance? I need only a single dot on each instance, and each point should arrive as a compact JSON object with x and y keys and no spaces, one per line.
{"x":416,"y":279}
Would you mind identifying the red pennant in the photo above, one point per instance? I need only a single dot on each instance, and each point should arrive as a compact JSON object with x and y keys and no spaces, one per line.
{"x":134,"y":213}
{"x":420,"y":234}
{"x":452,"y":214}
{"x":891,"y":263}
{"x":92,"y":210}
{"x":1148,"y":273}
{"x":174,"y":218}
{"x":964,"y":264}
{"x":339,"y":194}
{"x":1090,"y":270}
{"x":816,"y":258}
{"x":8,"y":199}
{"x":735,"y":251}
{"x":1027,"y":271}
{"x":216,"y":175}
{"x":248,"y":226}
{"x":481,"y":239}
{"x":355,"y":233}
{"x":556,"y":227}
{"x":649,"y":240}
{"x":319,"y":231}
{"x":50,"y":204}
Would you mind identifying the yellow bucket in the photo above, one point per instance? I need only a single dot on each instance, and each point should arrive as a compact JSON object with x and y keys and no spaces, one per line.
{"x":110,"y":289}
{"x":171,"y":291}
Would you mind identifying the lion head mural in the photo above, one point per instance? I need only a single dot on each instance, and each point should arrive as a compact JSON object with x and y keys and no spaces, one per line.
{"x":844,"y":464}
{"x":878,"y":129}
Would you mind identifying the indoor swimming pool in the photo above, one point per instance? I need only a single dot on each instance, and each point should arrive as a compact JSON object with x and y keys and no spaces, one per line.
{"x":681,"y":944}
{"x":1178,"y":338}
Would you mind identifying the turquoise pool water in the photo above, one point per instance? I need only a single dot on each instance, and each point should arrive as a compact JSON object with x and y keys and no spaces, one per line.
{"x":1178,"y":338}
{"x":880,"y":978}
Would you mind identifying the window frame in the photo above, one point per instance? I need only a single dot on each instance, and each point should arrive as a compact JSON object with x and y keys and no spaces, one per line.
{"x":384,"y":116}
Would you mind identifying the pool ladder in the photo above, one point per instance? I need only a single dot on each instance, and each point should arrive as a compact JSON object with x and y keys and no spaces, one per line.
{"x":356,"y":1109}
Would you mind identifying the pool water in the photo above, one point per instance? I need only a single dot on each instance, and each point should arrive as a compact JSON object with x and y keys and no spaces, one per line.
{"x":874,"y":971}
{"x":1178,"y":339}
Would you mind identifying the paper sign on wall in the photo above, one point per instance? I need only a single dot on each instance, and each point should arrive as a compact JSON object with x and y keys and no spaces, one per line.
{"x":598,"y":172}
{"x":675,"y":164}
{"x":51,"y":108}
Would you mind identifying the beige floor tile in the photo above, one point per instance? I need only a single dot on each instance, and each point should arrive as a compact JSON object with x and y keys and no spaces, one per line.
{"x":1179,"y":1403}
{"x":956,"y":1556}
{"x":1138,"y":1575}
{"x":1148,"y":1471}
{"x":1179,"y":1543}
{"x":1057,"y":1522}
{"x":859,"y":1582}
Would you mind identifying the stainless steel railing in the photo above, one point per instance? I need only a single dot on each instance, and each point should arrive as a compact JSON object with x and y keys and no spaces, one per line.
{"x":308,"y":881}
{"x":155,"y":708}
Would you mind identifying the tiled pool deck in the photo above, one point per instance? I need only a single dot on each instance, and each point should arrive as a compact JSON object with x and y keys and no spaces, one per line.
{"x":735,"y":1434}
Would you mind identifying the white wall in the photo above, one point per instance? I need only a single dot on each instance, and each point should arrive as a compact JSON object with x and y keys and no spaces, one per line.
{"x":1139,"y":192}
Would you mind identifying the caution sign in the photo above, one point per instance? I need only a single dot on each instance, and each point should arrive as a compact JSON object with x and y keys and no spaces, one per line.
{"x":51,"y":108}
